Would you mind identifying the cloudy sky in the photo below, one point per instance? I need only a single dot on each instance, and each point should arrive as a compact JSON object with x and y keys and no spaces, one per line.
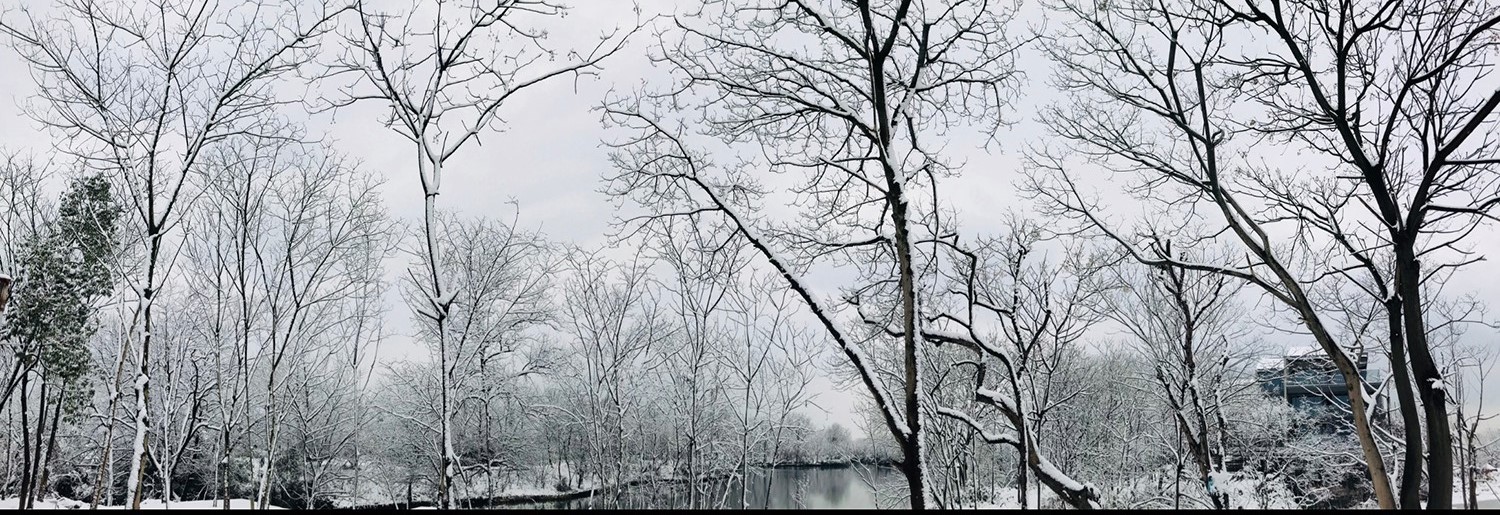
{"x":548,"y":158}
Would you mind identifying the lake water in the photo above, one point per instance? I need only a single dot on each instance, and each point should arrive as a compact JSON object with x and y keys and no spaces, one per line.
{"x":850,"y":487}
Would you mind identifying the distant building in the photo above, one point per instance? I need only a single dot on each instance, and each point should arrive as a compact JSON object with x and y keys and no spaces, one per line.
{"x":1308,"y":380}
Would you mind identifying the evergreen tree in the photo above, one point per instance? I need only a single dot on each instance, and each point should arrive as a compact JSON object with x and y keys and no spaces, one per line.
{"x":63,"y":271}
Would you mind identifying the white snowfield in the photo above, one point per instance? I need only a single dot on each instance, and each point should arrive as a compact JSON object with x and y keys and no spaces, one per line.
{"x":55,"y":503}
{"x":1489,"y":495}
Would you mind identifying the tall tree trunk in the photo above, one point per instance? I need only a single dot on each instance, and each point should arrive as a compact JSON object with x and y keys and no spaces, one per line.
{"x":1177,"y":476}
{"x":242,"y":247}
{"x":25,"y":443}
{"x":913,"y":465}
{"x":1471,"y":470}
{"x":1021,"y":479}
{"x":1201,"y":444}
{"x":106,"y":464}
{"x":1198,"y":446}
{"x":1374,"y":461}
{"x":263,"y":493}
{"x":35,"y":489}
{"x":51,"y":443}
{"x":223,"y":485}
{"x":142,"y":442}
{"x":1411,"y":420}
{"x":1428,"y":378}
{"x":431,"y":183}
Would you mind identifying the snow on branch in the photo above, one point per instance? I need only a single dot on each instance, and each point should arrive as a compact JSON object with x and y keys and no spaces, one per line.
{"x":690,"y":173}
{"x":983,"y":433}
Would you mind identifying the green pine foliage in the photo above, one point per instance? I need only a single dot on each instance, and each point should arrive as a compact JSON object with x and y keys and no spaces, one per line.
{"x":64,"y":270}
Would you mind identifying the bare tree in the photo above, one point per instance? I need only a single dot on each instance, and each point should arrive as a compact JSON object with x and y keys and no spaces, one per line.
{"x":1467,"y":378}
{"x":284,"y":249}
{"x":771,"y":364}
{"x":184,"y":392}
{"x":142,"y":93}
{"x":615,"y":320}
{"x":368,"y":332}
{"x":1360,"y":262}
{"x":221,"y":272}
{"x":327,"y":383}
{"x":502,"y":275}
{"x":850,"y":113}
{"x":698,"y":290}
{"x":405,"y":438}
{"x":324,"y":220}
{"x":1182,"y":322}
{"x":1040,"y":310}
{"x":1148,"y":99}
{"x":444,"y":73}
{"x":1388,"y":90}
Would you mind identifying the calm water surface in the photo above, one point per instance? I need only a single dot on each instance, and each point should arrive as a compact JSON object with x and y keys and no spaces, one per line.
{"x":781,"y":488}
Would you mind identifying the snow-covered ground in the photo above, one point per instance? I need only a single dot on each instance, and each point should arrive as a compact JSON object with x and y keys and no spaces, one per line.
{"x":1012,"y":503}
{"x":149,"y":504}
{"x":537,"y":480}
{"x":1489,"y":495}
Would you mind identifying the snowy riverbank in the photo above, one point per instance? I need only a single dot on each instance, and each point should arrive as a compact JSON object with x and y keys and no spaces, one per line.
{"x":56,"y":503}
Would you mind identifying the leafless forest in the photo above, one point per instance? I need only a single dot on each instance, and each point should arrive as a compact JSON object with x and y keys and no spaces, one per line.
{"x":924,"y":254}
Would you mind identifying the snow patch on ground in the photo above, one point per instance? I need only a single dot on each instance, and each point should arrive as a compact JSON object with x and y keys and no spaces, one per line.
{"x":57,"y":503}
{"x":1009,"y":501}
{"x":472,"y":483}
{"x":1252,"y":491}
{"x":1488,"y":494}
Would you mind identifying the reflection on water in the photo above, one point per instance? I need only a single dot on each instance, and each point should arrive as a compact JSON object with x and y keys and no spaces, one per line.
{"x":781,"y":488}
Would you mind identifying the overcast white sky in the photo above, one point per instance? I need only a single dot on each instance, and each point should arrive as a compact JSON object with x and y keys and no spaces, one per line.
{"x":549,"y":158}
